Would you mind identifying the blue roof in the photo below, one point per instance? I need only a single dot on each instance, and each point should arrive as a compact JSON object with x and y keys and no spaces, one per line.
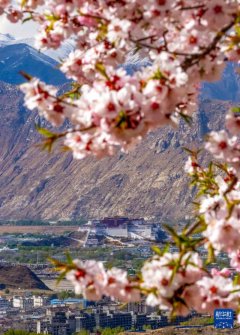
{"x":69,"y":300}
{"x":74,"y":300}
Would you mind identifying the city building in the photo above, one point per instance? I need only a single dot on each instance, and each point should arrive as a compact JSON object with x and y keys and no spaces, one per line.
{"x":66,"y":317}
{"x":22,"y":302}
{"x":43,"y":326}
{"x":85,"y":321}
{"x":122,"y":227}
{"x":4,"y":303}
{"x":39,"y":301}
{"x":140,"y":308}
{"x":59,"y":324}
{"x":81,"y":303}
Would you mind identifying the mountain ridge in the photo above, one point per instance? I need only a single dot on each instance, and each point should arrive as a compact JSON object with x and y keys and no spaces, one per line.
{"x":56,"y":54}
{"x":148,"y":182}
{"x":21,"y":57}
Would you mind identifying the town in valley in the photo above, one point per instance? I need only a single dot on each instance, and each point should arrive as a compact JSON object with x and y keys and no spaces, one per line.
{"x":30,"y":298}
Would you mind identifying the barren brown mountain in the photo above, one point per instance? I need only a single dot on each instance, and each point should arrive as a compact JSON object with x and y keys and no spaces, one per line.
{"x":20,"y":277}
{"x":147,"y":182}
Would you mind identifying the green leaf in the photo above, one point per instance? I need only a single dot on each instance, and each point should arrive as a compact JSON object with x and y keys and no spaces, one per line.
{"x":171,"y":230}
{"x":101,"y":69}
{"x":45,"y":132}
{"x":235,"y":109}
{"x":69,"y":258}
{"x":23,"y":3}
{"x":122,"y":120}
{"x":187,"y":225}
{"x":159,"y":75}
{"x":201,"y":228}
{"x":236,"y":280}
{"x":47,"y":144}
{"x":61,"y":276}
{"x":156,"y":250}
{"x":166,"y":248}
{"x":73,"y":94}
{"x":181,"y":301}
{"x":237,"y":29}
{"x":52,"y":18}
{"x":188,"y":119}
{"x":188,"y":151}
{"x":193,"y":153}
{"x":102,"y":32}
{"x":211,"y":255}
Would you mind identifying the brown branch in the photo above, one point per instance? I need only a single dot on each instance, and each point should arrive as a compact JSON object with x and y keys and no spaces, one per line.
{"x":145,"y":38}
{"x":192,"y":228}
{"x":195,"y":58}
{"x":192,"y":7}
{"x":191,"y":58}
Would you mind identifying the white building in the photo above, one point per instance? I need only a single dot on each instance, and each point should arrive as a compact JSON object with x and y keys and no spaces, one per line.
{"x":138,"y":221}
{"x":43,"y":326}
{"x":22,"y":303}
{"x":17,"y":302}
{"x":92,"y":242}
{"x":143,"y":230}
{"x":39,"y":301}
{"x":117,"y":231}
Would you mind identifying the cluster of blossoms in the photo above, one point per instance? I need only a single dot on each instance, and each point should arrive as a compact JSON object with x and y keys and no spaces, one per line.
{"x":219,"y":203}
{"x":222,"y":211}
{"x":225,"y":145}
{"x":41,"y":96}
{"x":92,"y":280}
{"x":170,"y":281}
{"x":185,"y":42}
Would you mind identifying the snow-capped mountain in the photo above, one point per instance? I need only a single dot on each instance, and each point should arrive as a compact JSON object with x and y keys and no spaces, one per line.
{"x":16,"y":57}
{"x":228,"y":88}
{"x":5,"y":39}
{"x":59,"y":54}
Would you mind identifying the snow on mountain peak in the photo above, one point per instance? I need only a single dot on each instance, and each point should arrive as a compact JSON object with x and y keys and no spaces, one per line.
{"x":6,"y":38}
{"x":59,"y":54}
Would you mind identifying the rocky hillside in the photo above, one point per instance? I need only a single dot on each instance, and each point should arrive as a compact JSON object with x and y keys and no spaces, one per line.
{"x":15,"y":277}
{"x":148,"y":182}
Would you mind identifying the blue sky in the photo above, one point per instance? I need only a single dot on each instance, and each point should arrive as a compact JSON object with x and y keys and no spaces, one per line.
{"x":19,"y":30}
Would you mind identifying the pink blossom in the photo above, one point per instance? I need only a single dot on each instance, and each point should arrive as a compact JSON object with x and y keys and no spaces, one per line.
{"x":83,"y":145}
{"x":118,"y":29}
{"x":88,"y":279}
{"x":14,"y":15}
{"x":31,"y":3}
{"x":159,"y":277}
{"x":220,"y":144}
{"x":119,"y":287}
{"x":235,"y":259}
{"x":215,"y":292}
{"x":233,"y":123}
{"x":42,"y":96}
{"x":225,"y":272}
{"x":4,"y":4}
{"x":191,"y":165}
